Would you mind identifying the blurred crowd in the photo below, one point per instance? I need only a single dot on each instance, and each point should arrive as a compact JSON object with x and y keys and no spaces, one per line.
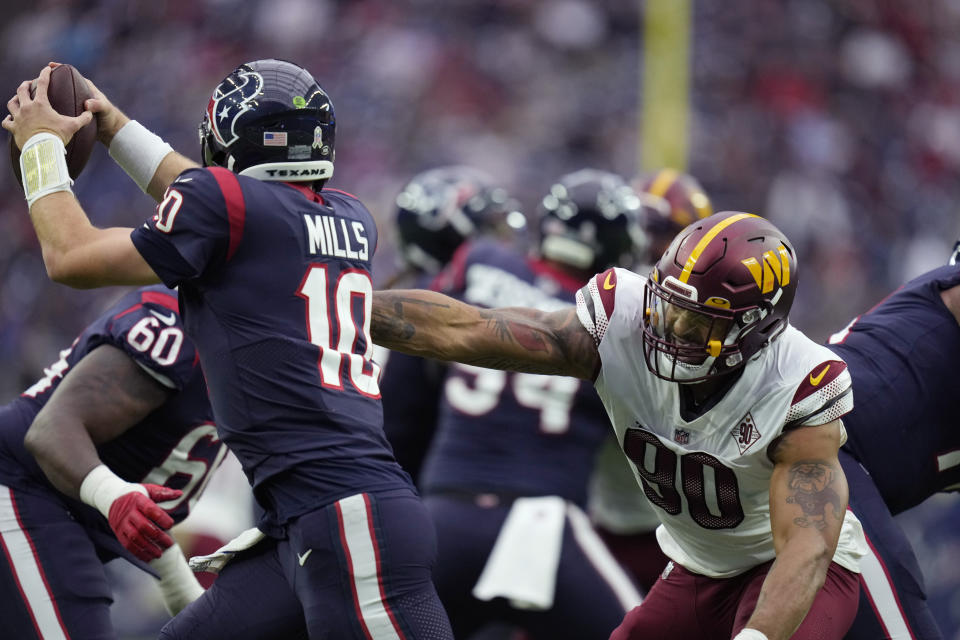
{"x":838,"y":119}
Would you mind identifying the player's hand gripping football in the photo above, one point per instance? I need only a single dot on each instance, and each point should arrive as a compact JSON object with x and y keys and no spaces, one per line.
{"x":110,"y":119}
{"x":29,"y":116}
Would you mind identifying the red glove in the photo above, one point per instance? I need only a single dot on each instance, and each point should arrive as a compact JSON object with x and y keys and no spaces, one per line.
{"x":132,"y":510}
{"x":140,"y":523}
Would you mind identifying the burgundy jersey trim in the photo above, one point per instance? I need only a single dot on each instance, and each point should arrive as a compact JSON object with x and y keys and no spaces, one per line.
{"x":821,"y":376}
{"x":236,"y":207}
{"x":607,"y":289}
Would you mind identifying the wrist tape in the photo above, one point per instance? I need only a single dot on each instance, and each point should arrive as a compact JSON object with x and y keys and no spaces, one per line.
{"x":178,"y":586}
{"x":139,"y":152}
{"x":101,"y":487}
{"x":43,"y":165}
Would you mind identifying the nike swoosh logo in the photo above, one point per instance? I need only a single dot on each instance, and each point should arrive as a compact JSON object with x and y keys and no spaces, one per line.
{"x":165,"y":319}
{"x":606,"y":283}
{"x":303,"y":558}
{"x":815,"y":380}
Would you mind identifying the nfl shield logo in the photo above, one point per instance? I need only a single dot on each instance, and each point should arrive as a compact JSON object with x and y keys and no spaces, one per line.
{"x":681,"y":436}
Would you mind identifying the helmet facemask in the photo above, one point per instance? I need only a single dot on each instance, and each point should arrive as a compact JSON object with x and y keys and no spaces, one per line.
{"x":688,"y":341}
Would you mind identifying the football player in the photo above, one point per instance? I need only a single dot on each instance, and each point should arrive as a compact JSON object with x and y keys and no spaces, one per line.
{"x":919,"y":317}
{"x":505,"y":479}
{"x":273,"y":270}
{"x":437,"y":211}
{"x":110,"y":448}
{"x":901,"y":355}
{"x":730,"y":416}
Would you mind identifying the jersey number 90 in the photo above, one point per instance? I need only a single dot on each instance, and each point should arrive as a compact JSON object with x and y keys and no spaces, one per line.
{"x":693,"y":481}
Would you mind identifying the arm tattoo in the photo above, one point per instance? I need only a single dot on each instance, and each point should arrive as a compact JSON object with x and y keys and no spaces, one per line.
{"x":515,"y":332}
{"x":393,"y":325}
{"x":811,"y":483}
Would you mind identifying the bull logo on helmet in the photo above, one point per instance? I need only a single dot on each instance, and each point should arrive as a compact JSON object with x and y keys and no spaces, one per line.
{"x":229,"y":101}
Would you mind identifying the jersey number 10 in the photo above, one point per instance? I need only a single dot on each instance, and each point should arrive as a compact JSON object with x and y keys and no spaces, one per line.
{"x":329,"y":303}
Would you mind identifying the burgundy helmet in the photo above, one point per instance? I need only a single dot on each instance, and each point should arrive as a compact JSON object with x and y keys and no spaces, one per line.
{"x":733,"y":277}
{"x":673,"y":200}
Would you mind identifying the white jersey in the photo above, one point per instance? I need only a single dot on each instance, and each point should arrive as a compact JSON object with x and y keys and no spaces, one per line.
{"x":613,"y":501}
{"x":709,"y":477}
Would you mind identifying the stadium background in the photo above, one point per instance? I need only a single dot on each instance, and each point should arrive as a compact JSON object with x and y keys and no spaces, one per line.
{"x":838,"y":119}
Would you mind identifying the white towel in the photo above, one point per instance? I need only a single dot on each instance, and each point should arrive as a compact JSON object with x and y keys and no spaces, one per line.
{"x":219,"y":558}
{"x":522,"y":566}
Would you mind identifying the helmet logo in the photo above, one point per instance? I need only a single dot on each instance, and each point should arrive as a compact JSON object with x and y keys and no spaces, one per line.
{"x":774,"y":266}
{"x":317,"y":136}
{"x":299,"y":102}
{"x":233,"y":97}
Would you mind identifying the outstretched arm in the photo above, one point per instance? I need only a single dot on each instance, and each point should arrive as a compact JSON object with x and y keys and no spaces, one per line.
{"x":808,"y":501}
{"x":75,"y":252}
{"x":432,"y":325}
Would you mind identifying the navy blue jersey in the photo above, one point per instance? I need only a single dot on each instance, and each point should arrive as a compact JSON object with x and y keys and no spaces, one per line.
{"x":276,"y":293}
{"x":901,"y":355}
{"x":176,"y":445}
{"x":512,"y":433}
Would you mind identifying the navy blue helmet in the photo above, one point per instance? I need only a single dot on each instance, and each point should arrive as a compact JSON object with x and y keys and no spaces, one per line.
{"x":590,"y":220}
{"x":269,"y":119}
{"x":440,"y":208}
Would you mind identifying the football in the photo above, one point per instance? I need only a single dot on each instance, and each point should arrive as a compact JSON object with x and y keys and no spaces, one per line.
{"x":67,"y":93}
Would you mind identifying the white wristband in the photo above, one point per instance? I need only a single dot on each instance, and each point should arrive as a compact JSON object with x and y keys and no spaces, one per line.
{"x":101,"y":487}
{"x":139,"y":152}
{"x":43,"y":165}
{"x":750,"y":634}
{"x":178,"y":586}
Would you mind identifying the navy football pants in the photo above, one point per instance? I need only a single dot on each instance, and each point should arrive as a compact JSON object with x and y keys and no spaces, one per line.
{"x":893,"y":605}
{"x":358,"y":568}
{"x":52,"y":583}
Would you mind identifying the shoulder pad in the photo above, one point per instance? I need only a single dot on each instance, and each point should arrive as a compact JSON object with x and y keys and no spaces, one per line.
{"x":595,"y":302}
{"x":824,"y":394}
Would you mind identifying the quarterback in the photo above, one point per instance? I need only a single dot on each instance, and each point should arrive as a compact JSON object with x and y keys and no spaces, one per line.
{"x":273,"y":273}
{"x":729,"y":416}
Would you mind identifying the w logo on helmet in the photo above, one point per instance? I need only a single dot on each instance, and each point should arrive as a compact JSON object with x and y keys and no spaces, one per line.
{"x":774,"y":266}
{"x":235,"y":95}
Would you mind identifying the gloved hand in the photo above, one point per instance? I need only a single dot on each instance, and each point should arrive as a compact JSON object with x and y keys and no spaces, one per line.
{"x":132,"y":511}
{"x":140,"y":524}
